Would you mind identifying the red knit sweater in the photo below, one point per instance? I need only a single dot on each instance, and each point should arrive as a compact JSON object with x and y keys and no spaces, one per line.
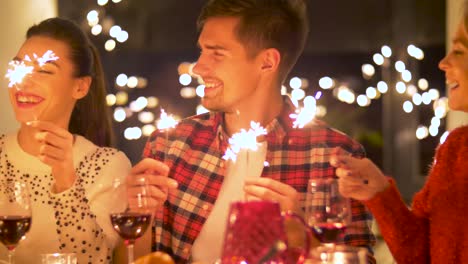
{"x":435,"y":230}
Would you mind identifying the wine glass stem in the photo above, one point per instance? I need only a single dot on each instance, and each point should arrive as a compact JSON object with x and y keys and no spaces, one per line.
{"x":10,"y":256}
{"x":130,"y":252}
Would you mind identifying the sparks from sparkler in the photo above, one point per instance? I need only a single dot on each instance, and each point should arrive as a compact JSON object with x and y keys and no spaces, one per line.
{"x":165,"y":123}
{"x":305,"y":115}
{"x":18,"y":70}
{"x":245,"y":139}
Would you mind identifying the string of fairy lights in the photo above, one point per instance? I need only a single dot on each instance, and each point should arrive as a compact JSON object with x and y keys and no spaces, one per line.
{"x":416,"y":92}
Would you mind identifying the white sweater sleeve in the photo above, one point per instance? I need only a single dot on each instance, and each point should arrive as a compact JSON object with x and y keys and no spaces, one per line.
{"x":82,"y":212}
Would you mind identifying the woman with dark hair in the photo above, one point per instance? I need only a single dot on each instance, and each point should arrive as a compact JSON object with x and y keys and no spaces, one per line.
{"x":435,"y":229}
{"x":61,"y":149}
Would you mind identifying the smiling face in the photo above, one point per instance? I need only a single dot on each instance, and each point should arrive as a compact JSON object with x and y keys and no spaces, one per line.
{"x":49,"y":92}
{"x":231,"y":76}
{"x":455,"y":66}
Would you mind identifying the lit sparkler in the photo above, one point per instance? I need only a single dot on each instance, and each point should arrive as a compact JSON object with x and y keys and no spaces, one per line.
{"x":165,"y":123}
{"x":305,"y":115}
{"x":245,"y":139}
{"x":19,"y":70}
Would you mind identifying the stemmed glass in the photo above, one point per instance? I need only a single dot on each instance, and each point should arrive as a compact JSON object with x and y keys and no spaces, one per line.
{"x":132,"y":220}
{"x":15,"y":214}
{"x":327,"y":212}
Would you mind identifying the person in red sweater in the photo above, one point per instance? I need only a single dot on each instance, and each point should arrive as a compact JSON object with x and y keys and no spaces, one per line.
{"x":435,"y":229}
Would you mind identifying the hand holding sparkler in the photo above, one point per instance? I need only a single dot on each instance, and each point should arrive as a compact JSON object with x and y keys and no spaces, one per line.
{"x":165,"y":123}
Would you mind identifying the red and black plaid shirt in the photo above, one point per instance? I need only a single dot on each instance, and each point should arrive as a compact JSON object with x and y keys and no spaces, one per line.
{"x":194,"y":154}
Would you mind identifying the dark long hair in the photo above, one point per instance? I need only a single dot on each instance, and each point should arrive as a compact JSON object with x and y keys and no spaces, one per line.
{"x":90,"y":117}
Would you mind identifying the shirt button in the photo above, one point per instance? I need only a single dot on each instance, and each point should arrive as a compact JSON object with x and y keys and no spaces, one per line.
{"x":221,"y":164}
{"x":290,"y":141}
{"x":205,"y":207}
{"x":186,"y":250}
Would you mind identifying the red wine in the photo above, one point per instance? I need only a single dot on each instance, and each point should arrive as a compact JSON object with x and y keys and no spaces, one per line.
{"x":328,"y":232}
{"x":12,"y":229}
{"x":130,"y":226}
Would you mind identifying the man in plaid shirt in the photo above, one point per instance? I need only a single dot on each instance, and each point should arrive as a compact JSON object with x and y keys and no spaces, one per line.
{"x":248,"y":48}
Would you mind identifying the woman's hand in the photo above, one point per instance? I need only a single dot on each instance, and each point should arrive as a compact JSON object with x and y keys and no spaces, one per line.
{"x":359,"y":179}
{"x":56,"y":150}
{"x":156,"y":173}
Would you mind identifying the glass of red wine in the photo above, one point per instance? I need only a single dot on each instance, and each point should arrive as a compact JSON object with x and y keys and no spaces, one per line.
{"x":15,"y":214}
{"x":132,"y":221}
{"x":327,"y":212}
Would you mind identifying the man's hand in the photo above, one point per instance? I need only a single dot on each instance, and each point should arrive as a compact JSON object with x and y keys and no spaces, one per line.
{"x":267,"y":189}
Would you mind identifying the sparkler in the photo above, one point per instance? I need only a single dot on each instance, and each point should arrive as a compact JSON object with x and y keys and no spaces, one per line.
{"x":165,"y":123}
{"x":19,"y":69}
{"x":245,"y":139}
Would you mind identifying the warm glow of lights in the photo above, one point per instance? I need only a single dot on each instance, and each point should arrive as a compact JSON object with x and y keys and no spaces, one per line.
{"x":166,"y":121}
{"x":382,"y":87}
{"x":345,"y":94}
{"x":122,"y":36}
{"x":363,"y":100}
{"x":111,"y":99}
{"x":411,"y":90}
{"x":368,"y":70}
{"x":184,"y":67}
{"x":433,"y":130}
{"x":115,"y":31}
{"x":295,"y":83}
{"x":185,"y":79}
{"x":434,"y":94}
{"x":423,"y":84}
{"x":109,"y":45}
{"x":139,"y":104}
{"x":152,"y":102}
{"x":426,"y":98}
{"x":321,"y":111}
{"x":442,"y":105}
{"x":400,"y":66}
{"x":435,"y":121}
{"x":148,"y":129}
{"x":415,"y":52}
{"x":408,"y":107}
{"x":96,"y":30}
{"x":400,"y":87}
{"x":132,"y":82}
{"x":188,"y":92}
{"x":200,"y":90}
{"x":386,"y":51}
{"x":326,"y":82}
{"x":132,"y":133}
{"x":116,"y":1}
{"x":119,"y":114}
{"x":378,"y":59}
{"x":406,"y":76}
{"x":146,"y":117}
{"x":422,"y":132}
{"x":245,"y":139}
{"x":297,"y":94}
{"x":444,"y":137}
{"x":122,"y":98}
{"x":121,"y":80}
{"x":417,"y":99}
{"x":102,"y":2}
{"x":92,"y":17}
{"x":371,"y":92}
{"x":141,"y":82}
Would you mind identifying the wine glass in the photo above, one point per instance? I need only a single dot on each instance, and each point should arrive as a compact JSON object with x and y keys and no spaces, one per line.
{"x":327,"y":212}
{"x":132,"y":220}
{"x":15,"y":214}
